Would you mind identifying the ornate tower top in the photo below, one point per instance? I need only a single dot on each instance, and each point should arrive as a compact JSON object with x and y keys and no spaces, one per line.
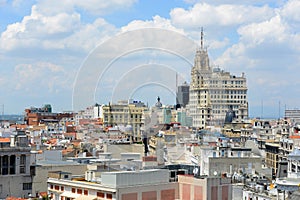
{"x":201,"y":61}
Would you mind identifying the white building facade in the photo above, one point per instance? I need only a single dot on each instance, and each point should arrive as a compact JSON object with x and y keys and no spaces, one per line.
{"x":213,"y":91}
{"x":121,"y":185}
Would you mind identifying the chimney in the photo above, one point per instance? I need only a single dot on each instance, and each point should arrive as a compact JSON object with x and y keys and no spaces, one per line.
{"x":12,"y":141}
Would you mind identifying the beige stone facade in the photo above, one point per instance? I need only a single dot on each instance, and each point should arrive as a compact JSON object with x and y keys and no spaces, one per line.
{"x":213,"y":91}
{"x":124,"y":114}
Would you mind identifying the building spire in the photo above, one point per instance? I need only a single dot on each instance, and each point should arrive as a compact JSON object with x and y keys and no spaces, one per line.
{"x":201,"y":38}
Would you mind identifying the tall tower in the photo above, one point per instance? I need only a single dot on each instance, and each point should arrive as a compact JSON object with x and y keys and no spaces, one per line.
{"x":200,"y":108}
{"x":182,"y":94}
{"x":213,"y":91}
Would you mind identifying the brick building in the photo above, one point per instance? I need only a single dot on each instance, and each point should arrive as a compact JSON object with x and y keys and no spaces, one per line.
{"x":35,"y":116}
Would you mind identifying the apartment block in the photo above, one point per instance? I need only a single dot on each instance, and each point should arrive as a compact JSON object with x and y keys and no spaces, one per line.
{"x":121,"y":185}
{"x":124,"y":113}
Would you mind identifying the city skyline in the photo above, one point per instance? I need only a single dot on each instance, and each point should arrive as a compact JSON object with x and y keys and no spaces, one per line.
{"x":43,"y":46}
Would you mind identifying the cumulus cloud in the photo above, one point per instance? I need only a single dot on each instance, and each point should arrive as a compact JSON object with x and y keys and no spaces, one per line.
{"x":203,"y":14}
{"x":272,"y":30}
{"x":240,"y":2}
{"x":60,"y":27}
{"x":291,"y":11}
{"x":252,"y":36}
{"x":89,"y":35}
{"x":156,"y":22}
{"x":41,"y":77}
{"x":266,"y":51}
{"x":262,"y":43}
{"x":60,"y":31}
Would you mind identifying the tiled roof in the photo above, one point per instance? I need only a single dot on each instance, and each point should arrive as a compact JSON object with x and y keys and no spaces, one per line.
{"x":4,"y":140}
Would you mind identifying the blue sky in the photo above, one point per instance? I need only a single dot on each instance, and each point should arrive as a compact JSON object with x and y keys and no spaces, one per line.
{"x":45,"y":43}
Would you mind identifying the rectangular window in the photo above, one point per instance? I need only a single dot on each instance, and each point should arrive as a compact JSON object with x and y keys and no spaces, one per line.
{"x":5,"y":165}
{"x":22,"y":164}
{"x":85,"y":192}
{"x":73,"y":190}
{"x":100,"y":194}
{"x":27,"y":186}
{"x":62,"y":188}
{"x":79,"y":191}
{"x":56,"y":187}
{"x":109,"y":196}
{"x":12,"y":164}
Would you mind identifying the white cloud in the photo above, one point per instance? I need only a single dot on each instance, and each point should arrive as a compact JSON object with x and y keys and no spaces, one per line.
{"x":41,"y":77}
{"x":203,"y":14}
{"x":240,"y":2}
{"x":60,"y":27}
{"x":156,"y":22}
{"x":262,"y":43}
{"x":89,"y":35}
{"x":266,"y":51}
{"x":291,"y":10}
{"x":33,"y":30}
{"x":260,"y":37}
{"x":272,"y":30}
{"x":269,"y":44}
{"x":219,"y":44}
{"x":59,"y":31}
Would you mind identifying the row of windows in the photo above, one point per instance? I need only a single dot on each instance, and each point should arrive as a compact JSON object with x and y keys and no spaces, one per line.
{"x":137,"y":116}
{"x":102,"y":195}
{"x":8,"y":164}
{"x":222,"y":97}
{"x":57,"y":187}
{"x":123,"y":110}
{"x":227,"y":96}
{"x":218,"y":83}
{"x":86,"y":192}
{"x":79,"y":191}
{"x":221,"y":91}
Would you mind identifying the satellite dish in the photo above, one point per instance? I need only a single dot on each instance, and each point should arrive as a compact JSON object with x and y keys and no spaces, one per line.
{"x":215,"y":173}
